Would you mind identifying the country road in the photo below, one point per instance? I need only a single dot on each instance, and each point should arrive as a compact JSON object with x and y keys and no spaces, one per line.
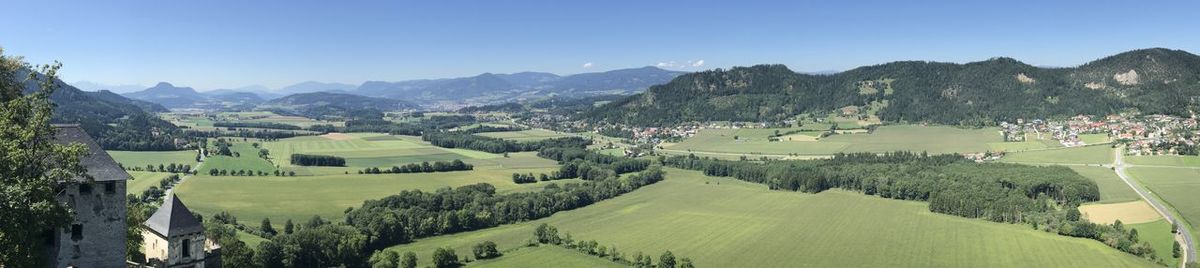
{"x":1184,"y":235}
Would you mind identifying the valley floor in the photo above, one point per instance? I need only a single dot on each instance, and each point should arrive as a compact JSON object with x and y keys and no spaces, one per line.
{"x":721,"y":222}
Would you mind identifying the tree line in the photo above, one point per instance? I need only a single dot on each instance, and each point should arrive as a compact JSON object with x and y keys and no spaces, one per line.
{"x":267,"y":125}
{"x":415,"y":214}
{"x":546,"y":234}
{"x":423,"y":167}
{"x":496,"y":145}
{"x":317,"y":160}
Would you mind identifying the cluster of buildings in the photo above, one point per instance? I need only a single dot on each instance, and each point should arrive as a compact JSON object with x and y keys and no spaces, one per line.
{"x":1144,"y":135}
{"x":96,"y":237}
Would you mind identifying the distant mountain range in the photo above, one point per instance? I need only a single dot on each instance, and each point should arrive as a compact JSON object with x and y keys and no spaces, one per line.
{"x":481,"y":89}
{"x":331,"y":105}
{"x":173,"y":97}
{"x":978,"y":93}
{"x":497,"y":88}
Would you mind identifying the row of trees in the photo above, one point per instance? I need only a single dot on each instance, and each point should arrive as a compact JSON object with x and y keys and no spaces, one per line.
{"x":414,"y":214}
{"x":318,"y":160}
{"x":548,"y":235}
{"x":423,"y":167}
{"x":248,"y":172}
{"x":172,"y":168}
{"x":495,"y":145}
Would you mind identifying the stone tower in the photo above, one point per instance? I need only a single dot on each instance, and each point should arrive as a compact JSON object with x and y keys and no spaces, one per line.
{"x":96,"y":236}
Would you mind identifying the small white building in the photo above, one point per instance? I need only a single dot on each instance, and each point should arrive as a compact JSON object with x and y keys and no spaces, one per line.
{"x":173,"y":237}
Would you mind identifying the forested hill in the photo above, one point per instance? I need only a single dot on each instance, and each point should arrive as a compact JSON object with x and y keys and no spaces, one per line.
{"x":326,"y":104}
{"x":116,"y":122}
{"x":979,"y":93}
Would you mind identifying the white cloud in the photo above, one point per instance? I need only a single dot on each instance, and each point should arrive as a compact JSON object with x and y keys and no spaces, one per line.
{"x":680,"y":65}
{"x":588,"y":65}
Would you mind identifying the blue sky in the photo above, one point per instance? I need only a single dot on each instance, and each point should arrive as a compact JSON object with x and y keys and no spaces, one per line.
{"x":227,"y":44}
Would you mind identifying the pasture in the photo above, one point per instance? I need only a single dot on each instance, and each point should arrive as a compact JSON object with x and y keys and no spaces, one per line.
{"x":932,"y":139}
{"x":245,"y":158}
{"x":300,"y":197}
{"x":1165,"y":160}
{"x":721,"y":222}
{"x":141,"y":159}
{"x":1177,"y":186}
{"x":1112,"y":188}
{"x":1158,"y":234}
{"x":524,"y":135}
{"x":1099,"y":154}
{"x":143,"y":180}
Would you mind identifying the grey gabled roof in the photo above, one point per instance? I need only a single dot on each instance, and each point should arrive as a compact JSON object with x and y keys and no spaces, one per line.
{"x":173,"y":218}
{"x":100,"y":166}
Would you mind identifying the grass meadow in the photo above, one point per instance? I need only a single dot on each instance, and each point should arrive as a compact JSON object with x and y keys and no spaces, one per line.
{"x":142,"y":180}
{"x":1179,"y":187}
{"x":300,"y":197}
{"x":524,"y":135}
{"x":1158,"y":233}
{"x":1097,"y":155}
{"x":932,"y":139}
{"x":1165,"y":160}
{"x":1112,"y":188}
{"x":721,"y":222}
{"x":141,"y":159}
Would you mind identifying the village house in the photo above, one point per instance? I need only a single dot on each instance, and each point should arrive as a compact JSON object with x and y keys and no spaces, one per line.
{"x":173,"y":237}
{"x":96,"y":235}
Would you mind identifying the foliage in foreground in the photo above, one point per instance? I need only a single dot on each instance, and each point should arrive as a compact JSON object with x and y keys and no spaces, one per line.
{"x":34,"y":167}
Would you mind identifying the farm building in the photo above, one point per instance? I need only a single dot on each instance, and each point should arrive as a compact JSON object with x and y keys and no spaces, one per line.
{"x":96,"y":237}
{"x":173,"y":237}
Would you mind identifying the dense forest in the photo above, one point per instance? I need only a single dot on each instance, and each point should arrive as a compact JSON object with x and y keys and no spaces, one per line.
{"x":317,"y":160}
{"x":496,"y":145}
{"x":972,"y":94}
{"x":423,"y":167}
{"x":1044,"y":197}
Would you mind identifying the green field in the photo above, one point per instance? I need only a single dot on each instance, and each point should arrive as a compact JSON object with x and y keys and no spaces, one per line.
{"x":299,"y":198}
{"x":1094,"y":138}
{"x":1099,"y":154}
{"x":738,"y":224}
{"x":524,"y":135}
{"x":251,"y":240}
{"x":142,"y":180}
{"x":1179,"y":187}
{"x":141,"y":159}
{"x":1112,"y":188}
{"x":1165,"y":160}
{"x":932,"y":139}
{"x":369,"y":150}
{"x":543,"y":256}
{"x":247,"y":159}
{"x":1158,"y":233}
{"x":1023,"y":145}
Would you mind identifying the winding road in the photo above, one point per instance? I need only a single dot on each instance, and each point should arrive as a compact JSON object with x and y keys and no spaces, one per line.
{"x":1184,"y":235}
